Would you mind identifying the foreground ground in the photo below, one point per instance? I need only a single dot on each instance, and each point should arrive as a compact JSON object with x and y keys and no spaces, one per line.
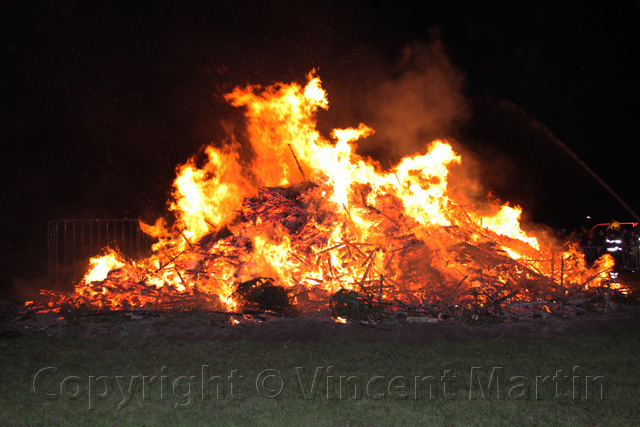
{"x":197,"y":369}
{"x":203,"y":368}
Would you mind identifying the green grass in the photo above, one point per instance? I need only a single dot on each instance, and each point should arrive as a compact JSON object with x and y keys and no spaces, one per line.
{"x":114,"y":385}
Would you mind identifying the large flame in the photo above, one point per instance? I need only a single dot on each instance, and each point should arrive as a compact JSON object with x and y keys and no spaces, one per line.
{"x":317,"y":217}
{"x":206,"y":199}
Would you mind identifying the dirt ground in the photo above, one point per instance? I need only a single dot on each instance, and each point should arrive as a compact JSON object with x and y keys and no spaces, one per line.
{"x":221,"y":327}
{"x":320,"y":327}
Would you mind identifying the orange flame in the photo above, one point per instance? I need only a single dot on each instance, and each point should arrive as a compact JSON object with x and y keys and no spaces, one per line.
{"x":101,"y":266}
{"x":318,"y":217}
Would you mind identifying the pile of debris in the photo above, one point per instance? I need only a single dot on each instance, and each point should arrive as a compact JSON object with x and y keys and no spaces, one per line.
{"x":283,"y":254}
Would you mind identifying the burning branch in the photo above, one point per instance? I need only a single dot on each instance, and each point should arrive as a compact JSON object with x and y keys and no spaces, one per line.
{"x":304,"y":178}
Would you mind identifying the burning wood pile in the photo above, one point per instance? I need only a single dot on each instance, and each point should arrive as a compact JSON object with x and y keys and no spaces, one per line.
{"x":307,"y":225}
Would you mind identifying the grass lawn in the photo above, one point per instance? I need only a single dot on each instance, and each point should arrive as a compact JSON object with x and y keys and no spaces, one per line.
{"x":581,"y":380}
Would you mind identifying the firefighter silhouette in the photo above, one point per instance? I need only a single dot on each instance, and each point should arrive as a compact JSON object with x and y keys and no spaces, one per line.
{"x":614,"y":247}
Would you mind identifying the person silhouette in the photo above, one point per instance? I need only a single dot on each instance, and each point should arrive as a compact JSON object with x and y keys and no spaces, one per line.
{"x":613,"y":244}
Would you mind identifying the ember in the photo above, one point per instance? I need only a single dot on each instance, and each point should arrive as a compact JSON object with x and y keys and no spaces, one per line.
{"x":310,"y":222}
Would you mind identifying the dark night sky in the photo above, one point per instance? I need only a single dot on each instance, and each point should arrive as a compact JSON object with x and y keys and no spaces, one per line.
{"x":99,"y":102}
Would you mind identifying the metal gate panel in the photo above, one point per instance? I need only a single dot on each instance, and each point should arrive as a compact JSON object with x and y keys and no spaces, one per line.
{"x":75,"y":240}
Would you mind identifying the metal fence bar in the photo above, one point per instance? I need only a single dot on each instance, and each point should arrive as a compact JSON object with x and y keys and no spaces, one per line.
{"x":66,"y":251}
{"x":630,"y":256}
{"x":592,"y":253}
{"x":72,"y":241}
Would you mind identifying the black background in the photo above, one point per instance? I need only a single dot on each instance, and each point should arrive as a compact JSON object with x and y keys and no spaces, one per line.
{"x":100,"y":101}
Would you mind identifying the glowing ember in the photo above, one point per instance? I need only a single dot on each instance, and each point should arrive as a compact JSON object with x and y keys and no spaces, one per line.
{"x":317,"y":218}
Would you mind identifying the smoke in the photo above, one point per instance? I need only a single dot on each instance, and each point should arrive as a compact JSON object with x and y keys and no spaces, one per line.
{"x":420,"y":100}
{"x":423,"y":97}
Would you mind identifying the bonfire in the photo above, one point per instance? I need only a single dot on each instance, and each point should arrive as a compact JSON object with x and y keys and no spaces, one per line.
{"x":311,"y":224}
